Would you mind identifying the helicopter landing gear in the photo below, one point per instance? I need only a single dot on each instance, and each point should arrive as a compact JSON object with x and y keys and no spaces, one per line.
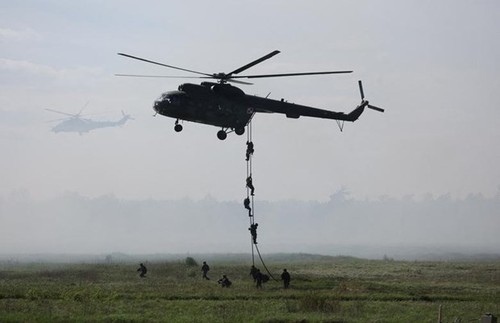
{"x":221,"y":134}
{"x":177,"y":127}
{"x":239,"y":131}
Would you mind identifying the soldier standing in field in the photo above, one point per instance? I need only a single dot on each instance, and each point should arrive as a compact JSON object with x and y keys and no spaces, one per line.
{"x":143,"y":270}
{"x":253,"y":273}
{"x":258,"y":279}
{"x":205,"y":268}
{"x":285,"y":277}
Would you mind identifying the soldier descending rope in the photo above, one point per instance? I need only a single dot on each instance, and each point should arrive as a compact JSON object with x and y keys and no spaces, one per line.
{"x":246,"y":203}
{"x":253,"y":232}
{"x":249,"y":150}
{"x":250,"y":185}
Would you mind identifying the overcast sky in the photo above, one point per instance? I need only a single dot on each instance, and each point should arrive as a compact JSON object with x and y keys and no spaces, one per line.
{"x":433,"y":65}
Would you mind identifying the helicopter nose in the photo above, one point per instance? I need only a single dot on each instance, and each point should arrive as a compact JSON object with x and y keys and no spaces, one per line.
{"x":156,"y":107}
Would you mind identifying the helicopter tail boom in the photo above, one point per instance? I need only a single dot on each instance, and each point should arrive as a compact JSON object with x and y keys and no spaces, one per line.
{"x":354,"y":114}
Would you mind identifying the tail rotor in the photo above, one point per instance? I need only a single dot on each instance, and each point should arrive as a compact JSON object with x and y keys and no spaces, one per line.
{"x":365,"y":102}
{"x":361,"y":90}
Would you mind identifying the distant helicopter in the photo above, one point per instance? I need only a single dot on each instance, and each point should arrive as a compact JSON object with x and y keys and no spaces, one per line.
{"x":75,"y":122}
{"x":223,"y":105}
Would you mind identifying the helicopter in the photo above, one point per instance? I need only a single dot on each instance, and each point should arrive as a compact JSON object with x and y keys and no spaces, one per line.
{"x":226,"y":106}
{"x":75,"y":122}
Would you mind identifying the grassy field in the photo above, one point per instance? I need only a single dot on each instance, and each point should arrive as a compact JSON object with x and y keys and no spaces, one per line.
{"x":330,"y":289}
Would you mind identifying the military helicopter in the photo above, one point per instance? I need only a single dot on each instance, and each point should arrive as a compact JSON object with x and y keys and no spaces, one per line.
{"x":223,"y":105}
{"x":75,"y":122}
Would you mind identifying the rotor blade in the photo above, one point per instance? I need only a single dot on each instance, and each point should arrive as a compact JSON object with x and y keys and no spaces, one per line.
{"x":64,"y":113}
{"x":361,"y":90}
{"x":60,"y":119}
{"x":375,"y":108}
{"x":290,"y":74}
{"x":161,"y":64}
{"x":127,"y":115}
{"x":165,"y":76}
{"x":81,"y":110}
{"x":257,"y":61}
{"x":181,"y":77}
{"x":239,"y":82}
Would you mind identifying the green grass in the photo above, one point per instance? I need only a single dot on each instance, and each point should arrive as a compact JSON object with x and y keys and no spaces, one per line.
{"x":328,"y":290}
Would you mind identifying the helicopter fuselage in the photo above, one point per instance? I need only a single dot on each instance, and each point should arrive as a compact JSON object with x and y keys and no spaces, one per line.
{"x":84,"y":125}
{"x":228,"y":107}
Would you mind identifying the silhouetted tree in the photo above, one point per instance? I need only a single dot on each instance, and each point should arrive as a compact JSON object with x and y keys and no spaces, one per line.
{"x":190,"y":262}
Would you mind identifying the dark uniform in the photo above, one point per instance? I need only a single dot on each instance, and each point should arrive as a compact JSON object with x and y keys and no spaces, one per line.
{"x":253,"y":273}
{"x":285,"y":276}
{"x":143,"y":270}
{"x":249,"y":149}
{"x":246,"y":203}
{"x":205,"y":268}
{"x":258,"y":279}
{"x":250,"y":185}
{"x":224,"y":281}
{"x":253,"y":232}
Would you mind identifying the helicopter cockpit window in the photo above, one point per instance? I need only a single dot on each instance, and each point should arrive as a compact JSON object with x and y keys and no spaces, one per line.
{"x":172,"y":98}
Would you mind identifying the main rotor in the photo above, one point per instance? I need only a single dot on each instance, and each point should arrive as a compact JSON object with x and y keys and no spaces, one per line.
{"x":225,"y":77}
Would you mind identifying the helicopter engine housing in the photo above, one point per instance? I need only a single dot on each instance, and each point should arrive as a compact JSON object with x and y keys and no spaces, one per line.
{"x":227,"y":90}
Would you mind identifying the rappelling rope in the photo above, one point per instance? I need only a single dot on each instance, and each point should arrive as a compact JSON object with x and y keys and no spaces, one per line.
{"x":249,"y":172}
{"x":263,"y":264}
{"x":252,"y":212}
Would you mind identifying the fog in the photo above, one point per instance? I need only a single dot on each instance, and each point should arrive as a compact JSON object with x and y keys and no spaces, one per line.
{"x":407,"y":228}
{"x":423,"y":174}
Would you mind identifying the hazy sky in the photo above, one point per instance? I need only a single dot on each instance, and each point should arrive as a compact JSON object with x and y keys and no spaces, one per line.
{"x":433,"y":65}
